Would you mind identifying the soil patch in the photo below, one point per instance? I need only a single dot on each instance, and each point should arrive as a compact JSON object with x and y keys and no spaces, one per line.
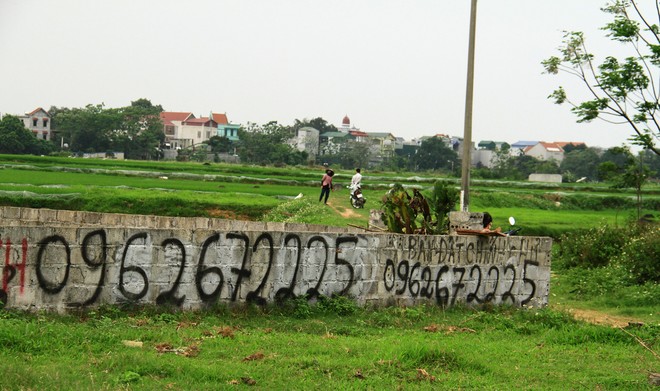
{"x":226,"y":214}
{"x":343,"y":211}
{"x":600,"y":318}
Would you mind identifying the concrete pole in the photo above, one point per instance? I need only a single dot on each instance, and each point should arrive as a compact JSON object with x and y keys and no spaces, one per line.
{"x":467,"y":130}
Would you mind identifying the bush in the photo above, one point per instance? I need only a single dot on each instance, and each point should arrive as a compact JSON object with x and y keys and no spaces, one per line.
{"x":641,"y":256}
{"x":591,"y":248}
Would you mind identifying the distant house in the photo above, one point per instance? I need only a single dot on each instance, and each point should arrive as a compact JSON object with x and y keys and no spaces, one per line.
{"x":330,"y":143}
{"x":546,"y":151}
{"x":184,"y":130}
{"x":483,"y":158}
{"x":225,"y":129}
{"x":519,"y":147}
{"x":38,"y":122}
{"x":359,"y":136}
{"x":306,"y":140}
{"x":172,"y":127}
{"x":382,"y":143}
{"x":485,"y":155}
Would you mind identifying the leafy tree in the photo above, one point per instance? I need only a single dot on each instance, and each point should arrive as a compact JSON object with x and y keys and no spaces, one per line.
{"x":135,"y":130}
{"x":353,"y":155}
{"x":15,"y":138}
{"x":524,"y":165}
{"x":140,"y":133}
{"x":547,"y":167}
{"x":620,"y":91}
{"x":317,"y":123}
{"x":267,"y":145}
{"x":572,"y":147}
{"x":625,"y":171}
{"x":434,"y":154}
{"x":145,"y":105}
{"x":579,"y":163}
{"x":652,"y":161}
{"x":220,"y":144}
{"x":89,"y":128}
{"x":518,"y":167}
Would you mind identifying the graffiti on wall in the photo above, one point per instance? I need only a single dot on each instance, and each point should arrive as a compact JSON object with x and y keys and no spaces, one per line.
{"x":90,"y":267}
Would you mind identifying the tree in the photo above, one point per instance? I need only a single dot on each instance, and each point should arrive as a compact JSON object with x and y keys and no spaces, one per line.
{"x":652,"y":161}
{"x":220,"y":144}
{"x":89,"y":128}
{"x":267,"y":145}
{"x":620,"y":91}
{"x":145,"y":105}
{"x":15,"y":138}
{"x":317,"y":123}
{"x":354,"y":154}
{"x":580,"y":163}
{"x":135,"y":130}
{"x":434,"y":154}
{"x":140,"y":133}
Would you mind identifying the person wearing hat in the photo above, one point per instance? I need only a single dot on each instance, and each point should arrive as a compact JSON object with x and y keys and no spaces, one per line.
{"x":326,"y":185}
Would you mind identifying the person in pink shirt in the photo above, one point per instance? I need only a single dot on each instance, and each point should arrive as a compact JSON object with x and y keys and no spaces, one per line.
{"x":326,"y":185}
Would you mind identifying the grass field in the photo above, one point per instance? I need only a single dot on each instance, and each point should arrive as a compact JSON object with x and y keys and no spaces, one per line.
{"x":331,"y":345}
{"x":249,"y":192}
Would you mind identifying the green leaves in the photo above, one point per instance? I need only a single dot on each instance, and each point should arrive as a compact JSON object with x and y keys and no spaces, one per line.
{"x":616,"y":88}
{"x":559,"y":95}
{"x":590,"y":110}
{"x":623,"y":29}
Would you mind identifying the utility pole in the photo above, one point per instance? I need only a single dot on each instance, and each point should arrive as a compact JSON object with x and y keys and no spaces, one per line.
{"x":467,"y":130}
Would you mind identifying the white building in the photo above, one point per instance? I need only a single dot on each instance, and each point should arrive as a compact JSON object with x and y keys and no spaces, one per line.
{"x":306,"y":140}
{"x":38,"y":122}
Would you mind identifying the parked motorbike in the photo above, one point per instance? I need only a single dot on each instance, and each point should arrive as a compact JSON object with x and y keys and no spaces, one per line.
{"x":357,"y":199}
{"x":512,"y":229}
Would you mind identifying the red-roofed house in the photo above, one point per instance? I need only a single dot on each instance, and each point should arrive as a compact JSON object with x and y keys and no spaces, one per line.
{"x":38,"y":122}
{"x":183,"y":129}
{"x":172,"y":127}
{"x":546,"y":151}
{"x":359,"y":135}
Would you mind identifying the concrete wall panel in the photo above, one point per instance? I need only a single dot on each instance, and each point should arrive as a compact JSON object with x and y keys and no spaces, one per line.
{"x":75,"y":261}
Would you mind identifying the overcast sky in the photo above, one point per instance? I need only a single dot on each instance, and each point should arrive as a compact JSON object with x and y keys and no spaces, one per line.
{"x":394,"y":66}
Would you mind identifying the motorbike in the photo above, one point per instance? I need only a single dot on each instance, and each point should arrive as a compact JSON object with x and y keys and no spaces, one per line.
{"x":512,"y":230}
{"x":356,"y":197}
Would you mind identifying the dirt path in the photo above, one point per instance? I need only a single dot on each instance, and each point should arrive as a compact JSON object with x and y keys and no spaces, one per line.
{"x":599,"y":318}
{"x":343,"y":211}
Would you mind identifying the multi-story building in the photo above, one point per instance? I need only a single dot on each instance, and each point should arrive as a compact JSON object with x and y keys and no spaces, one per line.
{"x":546,"y":151}
{"x":184,"y":130}
{"x":306,"y":140}
{"x":384,"y":143}
{"x":38,"y":122}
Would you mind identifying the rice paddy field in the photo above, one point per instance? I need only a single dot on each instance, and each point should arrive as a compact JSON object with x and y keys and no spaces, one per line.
{"x":252,"y":192}
{"x":575,"y":343}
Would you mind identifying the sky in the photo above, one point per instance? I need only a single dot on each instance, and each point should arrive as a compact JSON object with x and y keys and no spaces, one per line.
{"x":395,"y":66}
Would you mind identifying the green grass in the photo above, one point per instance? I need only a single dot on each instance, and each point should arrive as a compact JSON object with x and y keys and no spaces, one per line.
{"x":309,"y":349}
{"x":332,"y":345}
{"x":248,"y":192}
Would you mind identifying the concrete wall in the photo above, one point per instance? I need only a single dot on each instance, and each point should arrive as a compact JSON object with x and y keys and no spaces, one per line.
{"x":551,"y":178}
{"x":57,"y":260}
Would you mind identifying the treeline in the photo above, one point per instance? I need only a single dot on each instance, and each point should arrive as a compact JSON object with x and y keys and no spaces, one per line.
{"x":135,"y":130}
{"x":617,"y":165}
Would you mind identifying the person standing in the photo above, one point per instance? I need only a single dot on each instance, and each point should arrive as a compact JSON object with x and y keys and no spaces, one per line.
{"x":326,"y":185}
